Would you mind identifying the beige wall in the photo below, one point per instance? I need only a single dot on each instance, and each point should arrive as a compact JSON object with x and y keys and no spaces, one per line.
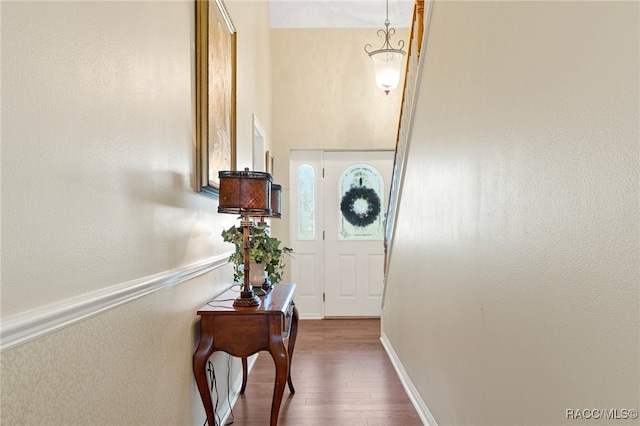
{"x":254,"y":74}
{"x":513,"y":287}
{"x":325,"y":97}
{"x":97,"y":172}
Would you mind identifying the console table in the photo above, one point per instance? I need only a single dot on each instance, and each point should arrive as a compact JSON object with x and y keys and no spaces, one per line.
{"x":243,"y":331}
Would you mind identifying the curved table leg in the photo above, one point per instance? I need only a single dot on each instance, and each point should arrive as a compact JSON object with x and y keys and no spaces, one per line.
{"x":281,"y":360}
{"x":293,"y":334}
{"x":244,"y":375}
{"x":200,"y":358}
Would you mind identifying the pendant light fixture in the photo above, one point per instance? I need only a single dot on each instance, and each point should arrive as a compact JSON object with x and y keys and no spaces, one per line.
{"x":387,"y":60}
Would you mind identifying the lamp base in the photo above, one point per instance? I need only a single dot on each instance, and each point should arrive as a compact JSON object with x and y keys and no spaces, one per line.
{"x":262,"y":290}
{"x":259,"y":291}
{"x":247,"y":298}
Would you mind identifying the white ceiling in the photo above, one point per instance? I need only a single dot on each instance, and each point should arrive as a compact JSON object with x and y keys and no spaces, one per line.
{"x":339,"y":14}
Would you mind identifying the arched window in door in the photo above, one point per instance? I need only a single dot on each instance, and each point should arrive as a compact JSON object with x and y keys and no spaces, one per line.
{"x":360,"y":198}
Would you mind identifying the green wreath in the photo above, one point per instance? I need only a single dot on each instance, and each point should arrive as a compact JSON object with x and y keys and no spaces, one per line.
{"x":355,"y":214}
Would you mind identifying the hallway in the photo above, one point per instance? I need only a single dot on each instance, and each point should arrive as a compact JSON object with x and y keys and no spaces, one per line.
{"x":342,"y":376}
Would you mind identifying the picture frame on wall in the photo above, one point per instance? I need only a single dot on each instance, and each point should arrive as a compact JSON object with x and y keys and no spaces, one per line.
{"x":269,"y":162}
{"x":215,"y":94}
{"x":258,"y":146}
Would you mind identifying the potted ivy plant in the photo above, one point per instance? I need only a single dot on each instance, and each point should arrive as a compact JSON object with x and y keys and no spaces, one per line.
{"x":263,"y":249}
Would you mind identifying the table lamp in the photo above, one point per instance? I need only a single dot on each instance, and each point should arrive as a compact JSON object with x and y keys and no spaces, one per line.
{"x":276,"y":197}
{"x":248,"y":194}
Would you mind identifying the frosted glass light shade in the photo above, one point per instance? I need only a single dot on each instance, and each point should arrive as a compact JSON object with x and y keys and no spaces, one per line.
{"x":387,"y":64}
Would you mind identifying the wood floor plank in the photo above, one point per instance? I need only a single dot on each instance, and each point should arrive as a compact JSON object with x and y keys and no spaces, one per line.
{"x":342,"y":376}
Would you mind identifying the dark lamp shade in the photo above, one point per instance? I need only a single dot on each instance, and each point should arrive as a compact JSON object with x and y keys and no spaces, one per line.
{"x":276,"y":197}
{"x":245,"y":192}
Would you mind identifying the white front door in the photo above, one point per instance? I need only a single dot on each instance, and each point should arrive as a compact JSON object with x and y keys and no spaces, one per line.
{"x":356,"y":189}
{"x":338,"y":265}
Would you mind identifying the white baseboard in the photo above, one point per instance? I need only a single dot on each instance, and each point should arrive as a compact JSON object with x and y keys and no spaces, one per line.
{"x":412,"y":392}
{"x":30,"y":325}
{"x":311,"y":317}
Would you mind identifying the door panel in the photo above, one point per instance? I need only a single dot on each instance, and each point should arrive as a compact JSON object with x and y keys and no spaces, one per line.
{"x":376,"y":269}
{"x":356,"y":186}
{"x":346,"y":275}
{"x":307,"y":264}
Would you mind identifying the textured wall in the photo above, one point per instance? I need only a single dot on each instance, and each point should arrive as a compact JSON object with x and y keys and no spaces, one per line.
{"x":97,"y":148}
{"x":97,"y":172}
{"x":128,"y":366}
{"x":513,"y":287}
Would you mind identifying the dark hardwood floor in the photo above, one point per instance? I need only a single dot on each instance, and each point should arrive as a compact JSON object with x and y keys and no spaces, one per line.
{"x":342,"y":376}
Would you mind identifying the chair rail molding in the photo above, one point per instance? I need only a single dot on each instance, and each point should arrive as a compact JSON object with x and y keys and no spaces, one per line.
{"x":30,"y":325}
